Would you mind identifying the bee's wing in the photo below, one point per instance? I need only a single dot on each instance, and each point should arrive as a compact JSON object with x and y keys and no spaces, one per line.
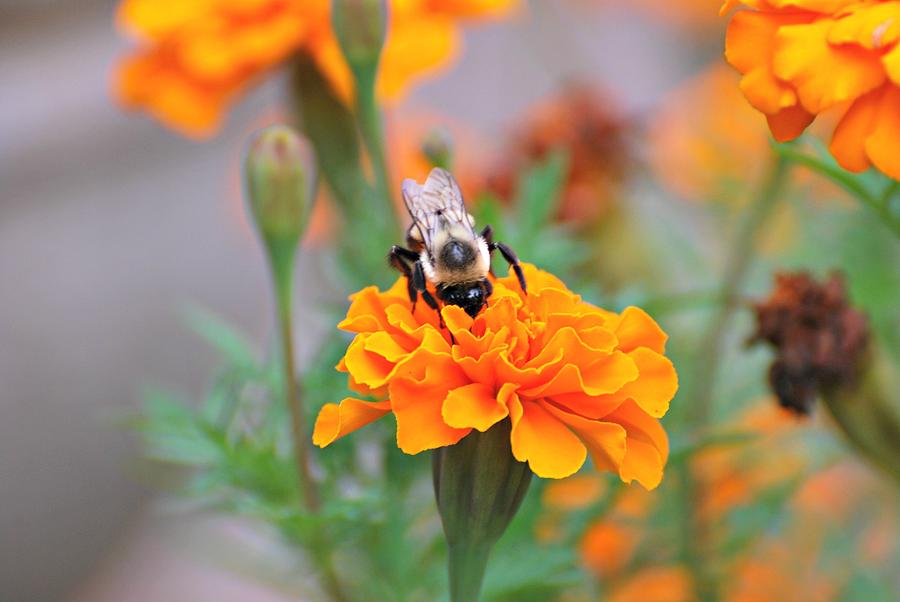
{"x":436,"y":205}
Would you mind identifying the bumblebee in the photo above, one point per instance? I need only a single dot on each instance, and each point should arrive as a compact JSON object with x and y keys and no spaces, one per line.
{"x":442,"y":247}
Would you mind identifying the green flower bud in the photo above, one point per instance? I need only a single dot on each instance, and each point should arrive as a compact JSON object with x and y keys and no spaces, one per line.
{"x":479,"y":486}
{"x":360,"y":26}
{"x":437,"y":146}
{"x":280,"y":176}
{"x":867,"y":412}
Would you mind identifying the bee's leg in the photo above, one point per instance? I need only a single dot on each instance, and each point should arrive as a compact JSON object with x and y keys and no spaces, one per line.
{"x":398,"y":258}
{"x":488,"y":288}
{"x":508,"y":254}
{"x":487,"y":234}
{"x":419,"y":282}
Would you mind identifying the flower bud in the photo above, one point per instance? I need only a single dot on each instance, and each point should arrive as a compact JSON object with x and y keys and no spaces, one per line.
{"x":478,"y":485}
{"x":360,"y":26}
{"x":868,"y":414}
{"x":437,"y":147}
{"x":280,"y":174}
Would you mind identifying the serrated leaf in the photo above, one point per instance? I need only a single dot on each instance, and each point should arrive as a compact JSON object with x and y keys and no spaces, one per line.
{"x":538,"y":192}
{"x":223,"y":337}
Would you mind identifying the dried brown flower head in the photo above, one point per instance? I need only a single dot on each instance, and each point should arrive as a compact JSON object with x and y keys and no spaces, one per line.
{"x":818,"y":337}
{"x":589,"y":126}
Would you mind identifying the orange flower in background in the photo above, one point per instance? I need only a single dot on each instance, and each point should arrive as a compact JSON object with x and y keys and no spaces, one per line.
{"x":705,"y":139}
{"x":572,"y":378}
{"x":802,"y":57}
{"x":656,"y":584}
{"x":194,"y":57}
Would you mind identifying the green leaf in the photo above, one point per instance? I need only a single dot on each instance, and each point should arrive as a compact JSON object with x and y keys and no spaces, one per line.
{"x":224,"y":338}
{"x":172,"y":433}
{"x":538,"y":192}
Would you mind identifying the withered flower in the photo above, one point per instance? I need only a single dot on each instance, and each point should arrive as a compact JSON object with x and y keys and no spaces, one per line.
{"x":585,"y":123}
{"x":820,"y":340}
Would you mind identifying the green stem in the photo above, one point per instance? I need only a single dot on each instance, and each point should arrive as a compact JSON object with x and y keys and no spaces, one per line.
{"x":282,"y":260}
{"x":468,"y":563}
{"x":369,"y":120}
{"x":850,"y":183}
{"x":708,"y":360}
{"x":738,"y":263}
{"x":282,"y":268}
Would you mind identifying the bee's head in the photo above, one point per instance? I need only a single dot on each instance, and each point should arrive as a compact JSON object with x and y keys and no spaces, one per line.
{"x":470,"y":297}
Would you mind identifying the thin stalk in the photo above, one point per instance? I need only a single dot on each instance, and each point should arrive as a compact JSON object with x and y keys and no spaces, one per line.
{"x":708,"y":360}
{"x":738,"y":263}
{"x":369,"y":120}
{"x":292,"y":398}
{"x":879,"y":204}
{"x":282,"y":270}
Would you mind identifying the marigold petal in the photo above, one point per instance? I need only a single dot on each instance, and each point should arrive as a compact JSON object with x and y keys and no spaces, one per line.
{"x":368,"y":368}
{"x":589,"y":406}
{"x":891,"y":62}
{"x":482,"y":369}
{"x":574,"y":347}
{"x":873,"y":27}
{"x":336,"y":420}
{"x":550,"y":448}
{"x":789,"y":123}
{"x":848,"y":143}
{"x":643,"y":463}
{"x":473,"y":406}
{"x":417,"y":398}
{"x":386,"y":346}
{"x":366,"y":312}
{"x":655,"y":386}
{"x":823,"y":74}
{"x":750,"y":37}
{"x":605,"y":375}
{"x":646,"y":446}
{"x":604,"y":440}
{"x":883,"y":146}
{"x":635,"y":328}
{"x":766,"y":93}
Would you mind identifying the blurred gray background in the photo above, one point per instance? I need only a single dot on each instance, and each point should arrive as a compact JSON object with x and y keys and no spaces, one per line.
{"x":110,"y":225}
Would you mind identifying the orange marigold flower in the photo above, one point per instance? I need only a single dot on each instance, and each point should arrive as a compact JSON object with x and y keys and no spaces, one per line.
{"x":801,"y":57}
{"x":572,"y":378}
{"x":196,"y":56}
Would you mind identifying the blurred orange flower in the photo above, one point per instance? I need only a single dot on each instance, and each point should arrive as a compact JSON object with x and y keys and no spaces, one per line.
{"x":571,"y":377}
{"x":801,"y":57}
{"x":194,"y":57}
{"x":656,"y":584}
{"x":705,"y":140}
{"x":608,"y":546}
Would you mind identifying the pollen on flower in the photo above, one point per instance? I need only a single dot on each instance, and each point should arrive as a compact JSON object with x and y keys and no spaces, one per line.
{"x":573,"y":379}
